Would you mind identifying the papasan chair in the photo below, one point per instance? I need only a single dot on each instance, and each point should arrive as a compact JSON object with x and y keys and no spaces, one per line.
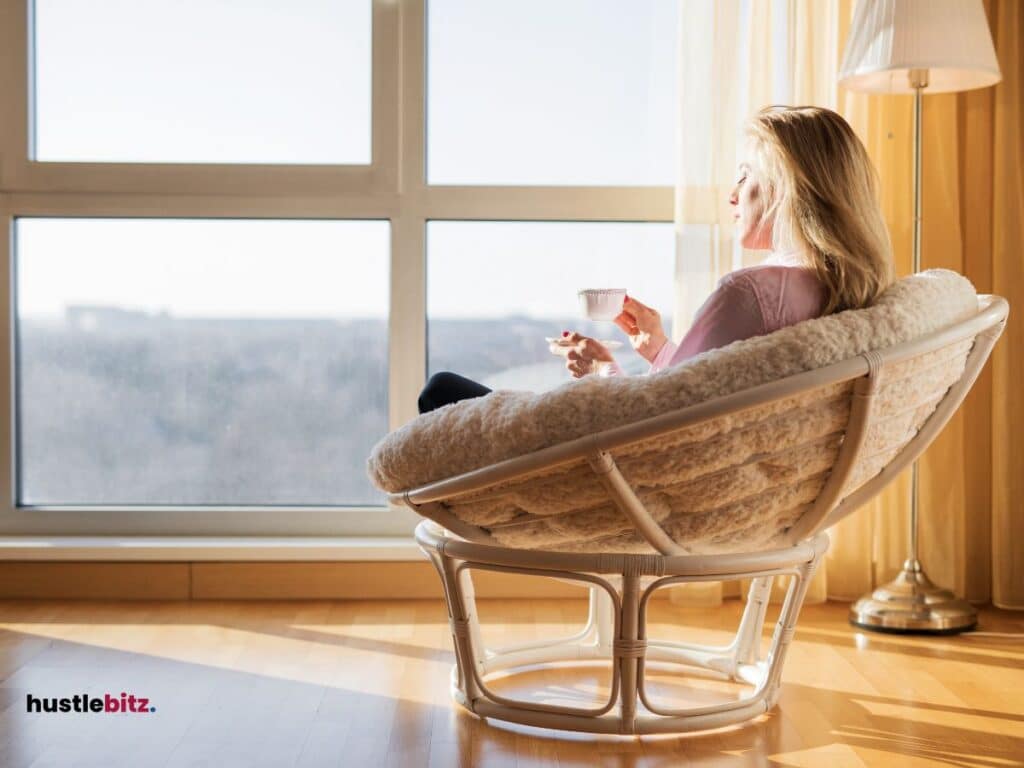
{"x":729,"y":466}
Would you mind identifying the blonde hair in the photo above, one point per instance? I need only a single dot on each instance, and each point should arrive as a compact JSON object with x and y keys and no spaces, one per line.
{"x":822,"y":191}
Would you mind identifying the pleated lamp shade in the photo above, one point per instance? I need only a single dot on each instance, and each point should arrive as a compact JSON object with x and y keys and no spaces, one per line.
{"x":949,"y":38}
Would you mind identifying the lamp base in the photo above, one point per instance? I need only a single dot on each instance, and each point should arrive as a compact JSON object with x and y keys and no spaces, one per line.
{"x":911,"y":604}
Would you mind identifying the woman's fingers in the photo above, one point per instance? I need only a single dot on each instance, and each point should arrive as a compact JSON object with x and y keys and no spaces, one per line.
{"x":635,"y":307}
{"x":580,"y":358}
{"x":626,"y":322}
{"x":582,"y":352}
{"x":588,"y":349}
{"x":646,"y":319}
{"x":577,"y":368}
{"x":629,"y":303}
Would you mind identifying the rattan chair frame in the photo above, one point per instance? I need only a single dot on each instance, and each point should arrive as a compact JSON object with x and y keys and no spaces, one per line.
{"x":621,"y":585}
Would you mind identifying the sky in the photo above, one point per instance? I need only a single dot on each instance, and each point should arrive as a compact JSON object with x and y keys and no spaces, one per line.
{"x":585,"y":98}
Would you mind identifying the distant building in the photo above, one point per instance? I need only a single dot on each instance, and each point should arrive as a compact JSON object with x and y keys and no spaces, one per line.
{"x":92,"y":317}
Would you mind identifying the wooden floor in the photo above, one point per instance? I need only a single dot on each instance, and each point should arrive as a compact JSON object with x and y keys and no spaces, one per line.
{"x":365,"y":683}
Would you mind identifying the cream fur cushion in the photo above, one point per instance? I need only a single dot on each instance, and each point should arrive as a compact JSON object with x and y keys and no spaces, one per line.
{"x":736,"y":482}
{"x":475,"y":433}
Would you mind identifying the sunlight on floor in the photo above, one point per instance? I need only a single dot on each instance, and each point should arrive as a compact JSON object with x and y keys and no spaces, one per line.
{"x":370,"y":682}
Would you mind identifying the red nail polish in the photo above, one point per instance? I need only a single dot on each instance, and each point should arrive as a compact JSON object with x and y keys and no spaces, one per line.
{"x":565,"y":333}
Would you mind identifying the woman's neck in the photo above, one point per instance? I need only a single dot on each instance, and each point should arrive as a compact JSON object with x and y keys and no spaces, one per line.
{"x":787,"y":258}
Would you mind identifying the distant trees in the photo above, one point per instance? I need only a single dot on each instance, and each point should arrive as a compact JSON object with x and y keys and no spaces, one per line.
{"x":197,"y":411}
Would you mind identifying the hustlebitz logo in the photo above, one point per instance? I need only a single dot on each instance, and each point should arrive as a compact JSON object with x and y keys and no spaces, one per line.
{"x":124,"y":704}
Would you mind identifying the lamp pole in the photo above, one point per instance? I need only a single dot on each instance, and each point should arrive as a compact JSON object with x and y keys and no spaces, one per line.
{"x":918,"y":81}
{"x":911,"y":603}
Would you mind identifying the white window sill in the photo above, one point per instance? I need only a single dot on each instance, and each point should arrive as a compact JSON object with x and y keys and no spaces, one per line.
{"x":220,"y":548}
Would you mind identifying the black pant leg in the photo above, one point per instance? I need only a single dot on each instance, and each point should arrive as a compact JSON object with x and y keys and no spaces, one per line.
{"x":446,"y":387}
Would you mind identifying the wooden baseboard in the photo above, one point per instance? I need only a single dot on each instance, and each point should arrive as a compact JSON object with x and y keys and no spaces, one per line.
{"x":70,"y":580}
{"x":366,"y":580}
{"x":89,"y":580}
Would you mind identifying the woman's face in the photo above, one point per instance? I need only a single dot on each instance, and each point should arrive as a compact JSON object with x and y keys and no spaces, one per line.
{"x":748,"y":204}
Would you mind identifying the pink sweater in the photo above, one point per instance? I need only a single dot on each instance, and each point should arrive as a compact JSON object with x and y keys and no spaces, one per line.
{"x":748,"y":302}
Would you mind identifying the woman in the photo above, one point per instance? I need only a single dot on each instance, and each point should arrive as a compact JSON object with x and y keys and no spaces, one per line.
{"x":806,"y":192}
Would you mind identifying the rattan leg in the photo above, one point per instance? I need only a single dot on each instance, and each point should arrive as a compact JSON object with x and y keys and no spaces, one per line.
{"x":603,"y":616}
{"x":462,"y":615}
{"x":748,"y":636}
{"x":786,"y":626}
{"x":625,"y":649}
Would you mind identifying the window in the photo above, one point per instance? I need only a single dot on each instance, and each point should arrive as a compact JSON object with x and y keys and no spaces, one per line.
{"x":573,"y":92}
{"x":236,"y":260}
{"x":202,"y":81}
{"x":169,"y":361}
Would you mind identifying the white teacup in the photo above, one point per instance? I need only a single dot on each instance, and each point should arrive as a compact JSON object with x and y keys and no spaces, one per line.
{"x":602,"y":303}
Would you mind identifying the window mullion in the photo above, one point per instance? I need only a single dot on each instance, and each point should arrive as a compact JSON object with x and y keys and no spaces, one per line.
{"x":408,"y":328}
{"x":7,"y":362}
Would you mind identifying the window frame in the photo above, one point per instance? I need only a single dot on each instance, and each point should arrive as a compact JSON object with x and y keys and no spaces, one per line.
{"x":393,"y":188}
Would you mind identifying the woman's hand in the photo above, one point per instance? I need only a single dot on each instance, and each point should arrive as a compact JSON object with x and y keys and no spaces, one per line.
{"x":582,"y":357}
{"x":643,"y":326}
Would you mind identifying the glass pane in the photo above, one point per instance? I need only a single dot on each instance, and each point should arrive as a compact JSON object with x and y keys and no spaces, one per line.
{"x":578,"y":92}
{"x":203,"y":81}
{"x":495,"y":290}
{"x":200,"y":361}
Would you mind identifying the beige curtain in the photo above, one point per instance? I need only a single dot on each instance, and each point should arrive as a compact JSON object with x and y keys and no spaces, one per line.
{"x":972,"y":478}
{"x":739,"y":55}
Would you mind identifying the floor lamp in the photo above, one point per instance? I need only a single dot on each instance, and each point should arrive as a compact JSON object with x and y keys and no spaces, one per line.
{"x":907,"y":46}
